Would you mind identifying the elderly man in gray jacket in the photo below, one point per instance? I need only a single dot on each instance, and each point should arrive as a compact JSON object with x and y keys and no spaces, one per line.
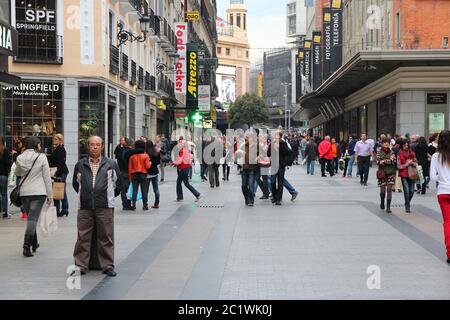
{"x":97,"y":180}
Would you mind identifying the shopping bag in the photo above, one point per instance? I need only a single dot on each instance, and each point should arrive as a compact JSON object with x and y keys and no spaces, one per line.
{"x":413,"y":174}
{"x":12,"y":178}
{"x":130,"y":194}
{"x":58,"y":190}
{"x":421,"y":177}
{"x":48,"y":220}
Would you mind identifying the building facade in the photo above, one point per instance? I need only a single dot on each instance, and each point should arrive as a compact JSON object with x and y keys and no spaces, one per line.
{"x":79,"y":78}
{"x":233,"y":51}
{"x":392,"y":80}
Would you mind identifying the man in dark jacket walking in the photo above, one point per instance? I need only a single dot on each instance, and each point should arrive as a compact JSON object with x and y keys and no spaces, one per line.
{"x":311,"y":155}
{"x":119,"y":153}
{"x":278,"y":151}
{"x":97,"y":181}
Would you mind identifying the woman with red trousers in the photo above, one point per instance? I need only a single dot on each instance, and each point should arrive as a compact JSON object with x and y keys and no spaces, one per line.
{"x":440,"y":172}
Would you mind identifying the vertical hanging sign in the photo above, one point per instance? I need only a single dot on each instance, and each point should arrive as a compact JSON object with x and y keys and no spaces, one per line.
{"x":336,"y":35}
{"x":192,"y":76}
{"x":307,"y":66}
{"x":326,"y":52}
{"x":317,"y":59}
{"x":181,"y":33}
{"x":299,"y":72}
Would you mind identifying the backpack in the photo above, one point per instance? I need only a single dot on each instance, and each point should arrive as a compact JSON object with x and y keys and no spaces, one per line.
{"x":290,"y":158}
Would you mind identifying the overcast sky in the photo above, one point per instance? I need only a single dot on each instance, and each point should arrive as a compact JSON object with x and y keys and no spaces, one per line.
{"x":266,"y":24}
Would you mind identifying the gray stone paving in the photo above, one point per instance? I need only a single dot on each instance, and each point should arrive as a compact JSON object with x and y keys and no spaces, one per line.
{"x":318,"y":247}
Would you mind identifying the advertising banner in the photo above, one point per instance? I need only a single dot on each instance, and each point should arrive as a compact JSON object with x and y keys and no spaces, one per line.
{"x":36,"y":27}
{"x":192,"y":79}
{"x":307,"y":66}
{"x":326,"y":52}
{"x":299,"y":72}
{"x":181,"y":33}
{"x":260,"y":84}
{"x":317,"y":59}
{"x":204,"y":98}
{"x":336,"y":35}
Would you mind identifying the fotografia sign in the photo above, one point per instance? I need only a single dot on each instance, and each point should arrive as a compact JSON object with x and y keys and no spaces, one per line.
{"x":8,"y":39}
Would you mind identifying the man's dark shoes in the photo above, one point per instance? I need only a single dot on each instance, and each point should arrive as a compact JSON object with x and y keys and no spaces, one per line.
{"x":448,"y":260}
{"x":294,"y":196}
{"x":110,"y":272}
{"x":264,"y":198}
{"x":278,"y":203}
{"x":145,"y":208}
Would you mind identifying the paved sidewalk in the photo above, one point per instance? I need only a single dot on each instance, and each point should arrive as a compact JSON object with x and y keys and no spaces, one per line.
{"x":318,"y":247}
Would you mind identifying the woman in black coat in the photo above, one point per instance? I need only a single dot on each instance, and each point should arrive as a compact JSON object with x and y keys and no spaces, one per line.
{"x":5,"y":169}
{"x":153,"y":172}
{"x":423,"y":159}
{"x":58,"y":160}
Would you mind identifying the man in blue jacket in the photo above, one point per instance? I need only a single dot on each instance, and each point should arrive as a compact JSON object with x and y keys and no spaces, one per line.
{"x":351,"y":151}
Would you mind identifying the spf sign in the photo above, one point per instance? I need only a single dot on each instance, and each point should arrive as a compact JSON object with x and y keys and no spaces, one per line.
{"x":40,"y":16}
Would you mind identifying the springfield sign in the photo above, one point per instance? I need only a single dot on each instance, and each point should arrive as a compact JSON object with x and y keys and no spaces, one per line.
{"x":181,"y":67}
{"x":32,"y":89}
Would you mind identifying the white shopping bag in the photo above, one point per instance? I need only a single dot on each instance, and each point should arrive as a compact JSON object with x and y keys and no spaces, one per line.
{"x":48,"y":219}
{"x":421,"y":177}
{"x":12,"y":176}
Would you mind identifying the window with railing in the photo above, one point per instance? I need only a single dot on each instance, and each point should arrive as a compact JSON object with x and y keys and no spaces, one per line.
{"x":133,"y":73}
{"x":124,"y":70}
{"x":141,"y":78}
{"x":114,"y":59}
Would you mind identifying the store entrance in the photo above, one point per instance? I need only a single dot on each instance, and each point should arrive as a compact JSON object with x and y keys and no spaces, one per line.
{"x":111,"y":112}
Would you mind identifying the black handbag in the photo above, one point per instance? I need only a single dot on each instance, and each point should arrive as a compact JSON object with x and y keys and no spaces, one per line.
{"x":15,"y":197}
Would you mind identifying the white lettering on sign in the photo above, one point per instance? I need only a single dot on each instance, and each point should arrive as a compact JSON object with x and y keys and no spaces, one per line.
{"x":181,"y":66}
{"x":40,"y":16}
{"x":5,"y":38}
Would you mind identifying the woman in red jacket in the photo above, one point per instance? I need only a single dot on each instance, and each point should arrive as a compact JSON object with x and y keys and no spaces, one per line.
{"x":405,"y":159}
{"x":137,"y":170}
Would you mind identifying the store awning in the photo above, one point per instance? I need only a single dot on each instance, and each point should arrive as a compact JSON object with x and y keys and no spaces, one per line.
{"x":363,"y":69}
{"x":9,"y":80}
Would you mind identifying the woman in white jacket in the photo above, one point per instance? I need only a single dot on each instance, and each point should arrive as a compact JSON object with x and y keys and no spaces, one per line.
{"x":440,"y":172}
{"x":35,"y":190}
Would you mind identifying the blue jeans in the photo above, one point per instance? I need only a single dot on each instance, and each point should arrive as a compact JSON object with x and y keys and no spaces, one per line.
{"x":248,"y":181}
{"x":4,"y":191}
{"x":350,"y":166}
{"x":408,"y":191}
{"x":288,"y":186}
{"x":65,"y":202}
{"x":154,"y":182}
{"x":183,"y":177}
{"x":310,"y":164}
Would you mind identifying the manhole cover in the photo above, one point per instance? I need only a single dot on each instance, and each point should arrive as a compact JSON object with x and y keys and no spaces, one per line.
{"x":211,"y":207}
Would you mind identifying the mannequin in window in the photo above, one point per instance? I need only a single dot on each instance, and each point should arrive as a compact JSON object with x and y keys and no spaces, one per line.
{"x":37,"y":131}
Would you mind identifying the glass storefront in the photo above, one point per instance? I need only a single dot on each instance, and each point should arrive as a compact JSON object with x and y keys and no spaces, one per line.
{"x":386,"y":116}
{"x":35,"y":108}
{"x":91,"y":113}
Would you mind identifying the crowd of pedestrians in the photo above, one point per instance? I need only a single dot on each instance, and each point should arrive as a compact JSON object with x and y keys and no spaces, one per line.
{"x":407,"y":163}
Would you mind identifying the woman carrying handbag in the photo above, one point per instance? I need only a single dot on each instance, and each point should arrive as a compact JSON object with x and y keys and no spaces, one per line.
{"x":386,"y":174}
{"x":58,"y":161}
{"x":407,"y":166}
{"x":35,"y":188}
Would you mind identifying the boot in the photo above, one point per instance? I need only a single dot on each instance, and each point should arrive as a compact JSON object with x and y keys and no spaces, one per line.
{"x":388,"y":208}
{"x":28,"y":240}
{"x":382,"y":196}
{"x":35,"y":245}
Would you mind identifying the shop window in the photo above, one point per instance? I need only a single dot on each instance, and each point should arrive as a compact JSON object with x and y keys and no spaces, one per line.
{"x":35,"y":108}
{"x":386,"y":116}
{"x":132,"y":124}
{"x":123,"y":114}
{"x":91,"y":114}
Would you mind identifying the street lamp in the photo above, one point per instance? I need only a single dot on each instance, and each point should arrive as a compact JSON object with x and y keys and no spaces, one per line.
{"x":124,"y":35}
{"x":286,"y":85}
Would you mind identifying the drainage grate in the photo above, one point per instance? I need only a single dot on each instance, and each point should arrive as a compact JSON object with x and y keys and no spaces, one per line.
{"x":211,"y":207}
{"x":397,"y":206}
